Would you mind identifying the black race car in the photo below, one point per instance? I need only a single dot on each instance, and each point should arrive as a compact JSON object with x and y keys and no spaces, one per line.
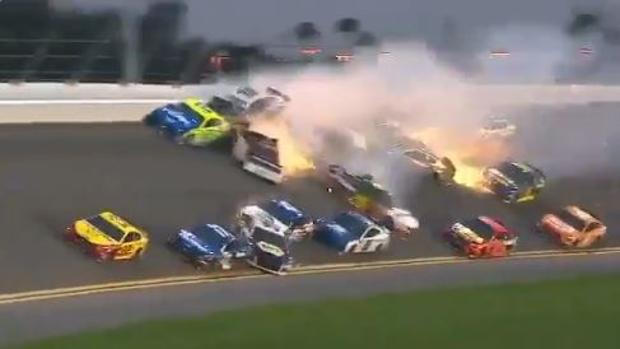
{"x":371,"y":199}
{"x":514,"y":181}
{"x":271,"y":251}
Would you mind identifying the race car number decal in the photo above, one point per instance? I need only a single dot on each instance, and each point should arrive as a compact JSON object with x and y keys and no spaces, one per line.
{"x":125,"y":250}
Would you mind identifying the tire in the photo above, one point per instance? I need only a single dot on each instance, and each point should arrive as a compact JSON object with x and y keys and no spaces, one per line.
{"x":138,"y":254}
{"x":190,"y":140}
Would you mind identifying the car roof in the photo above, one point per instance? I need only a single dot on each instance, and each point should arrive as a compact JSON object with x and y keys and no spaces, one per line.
{"x":119,"y":222}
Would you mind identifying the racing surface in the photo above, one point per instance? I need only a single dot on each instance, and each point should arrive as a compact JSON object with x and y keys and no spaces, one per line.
{"x":53,"y":174}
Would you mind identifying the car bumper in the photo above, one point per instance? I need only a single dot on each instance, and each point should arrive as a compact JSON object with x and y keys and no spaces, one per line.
{"x":263,"y":172}
{"x":90,"y":249}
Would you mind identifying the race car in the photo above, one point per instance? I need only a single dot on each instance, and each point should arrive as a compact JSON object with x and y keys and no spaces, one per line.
{"x":573,"y":226}
{"x":351,"y":232}
{"x":497,"y":127}
{"x":251,"y":102}
{"x":442,"y":168}
{"x":271,"y":251}
{"x":514,"y":181}
{"x":108,"y":237}
{"x":190,"y":122}
{"x":280,"y":216}
{"x":481,"y":237}
{"x":371,"y":199}
{"x":258,"y":154}
{"x":209,"y":245}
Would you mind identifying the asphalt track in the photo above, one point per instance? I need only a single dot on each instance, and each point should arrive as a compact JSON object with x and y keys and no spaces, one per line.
{"x":34,"y":320}
{"x":54,"y":173}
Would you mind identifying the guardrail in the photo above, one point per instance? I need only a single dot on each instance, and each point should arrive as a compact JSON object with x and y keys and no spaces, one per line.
{"x":62,"y":103}
{"x":20,"y":93}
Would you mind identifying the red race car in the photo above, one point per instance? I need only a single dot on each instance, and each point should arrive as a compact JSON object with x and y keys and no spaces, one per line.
{"x":481,"y":237}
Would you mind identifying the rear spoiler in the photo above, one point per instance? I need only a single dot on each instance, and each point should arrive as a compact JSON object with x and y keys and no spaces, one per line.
{"x":272,"y":91}
{"x":277,"y":168}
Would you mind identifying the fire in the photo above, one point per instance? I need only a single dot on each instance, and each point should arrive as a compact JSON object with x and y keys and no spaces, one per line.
{"x":467,"y":175}
{"x":470,"y":155}
{"x":292,"y":156}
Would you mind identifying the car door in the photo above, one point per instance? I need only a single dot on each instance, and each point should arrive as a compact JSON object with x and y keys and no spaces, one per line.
{"x":370,"y":241}
{"x":209,"y":131}
{"x":131,"y":244}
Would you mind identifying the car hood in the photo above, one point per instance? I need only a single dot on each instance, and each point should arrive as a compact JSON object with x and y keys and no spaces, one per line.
{"x":335,"y":234}
{"x":193,"y":245}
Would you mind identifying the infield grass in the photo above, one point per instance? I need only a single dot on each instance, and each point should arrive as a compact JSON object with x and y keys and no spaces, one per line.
{"x":579,"y":313}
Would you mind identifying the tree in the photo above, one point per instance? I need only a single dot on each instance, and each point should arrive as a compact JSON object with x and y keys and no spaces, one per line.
{"x":306,"y":31}
{"x":584,"y":22}
{"x":348,"y":25}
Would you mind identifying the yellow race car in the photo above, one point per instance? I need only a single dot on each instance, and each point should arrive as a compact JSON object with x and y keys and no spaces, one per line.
{"x":107,"y":236}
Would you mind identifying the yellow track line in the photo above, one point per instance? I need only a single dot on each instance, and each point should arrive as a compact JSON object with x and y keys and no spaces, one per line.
{"x":303,"y":270}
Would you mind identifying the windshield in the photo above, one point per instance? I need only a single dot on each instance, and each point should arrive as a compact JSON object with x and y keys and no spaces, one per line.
{"x":223,"y":107}
{"x":269,"y":237}
{"x":495,"y":124}
{"x":353,"y":223}
{"x":186,"y":116}
{"x":516,"y":173}
{"x":480,"y":228}
{"x":106,"y":227}
{"x":571,"y":220}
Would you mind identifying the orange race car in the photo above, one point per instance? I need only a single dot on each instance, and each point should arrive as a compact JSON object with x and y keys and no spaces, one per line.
{"x":573,"y":227}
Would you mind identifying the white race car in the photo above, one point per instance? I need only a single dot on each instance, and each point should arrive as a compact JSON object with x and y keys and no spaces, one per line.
{"x":351,"y":232}
{"x":279,"y":216}
{"x":258,"y":154}
{"x":498,"y":127}
{"x":253,"y":102}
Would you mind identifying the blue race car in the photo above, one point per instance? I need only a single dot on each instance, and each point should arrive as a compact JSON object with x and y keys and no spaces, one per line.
{"x":209,"y":244}
{"x":352,"y":232}
{"x":192,"y":122}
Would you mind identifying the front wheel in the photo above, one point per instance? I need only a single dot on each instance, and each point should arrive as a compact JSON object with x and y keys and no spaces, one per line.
{"x":138,"y":254}
{"x":191,"y":140}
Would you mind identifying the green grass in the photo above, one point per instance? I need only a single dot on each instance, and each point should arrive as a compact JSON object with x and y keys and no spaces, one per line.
{"x":578,"y":313}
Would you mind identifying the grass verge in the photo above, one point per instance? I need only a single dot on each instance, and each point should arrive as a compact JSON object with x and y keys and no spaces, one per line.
{"x":576,"y":313}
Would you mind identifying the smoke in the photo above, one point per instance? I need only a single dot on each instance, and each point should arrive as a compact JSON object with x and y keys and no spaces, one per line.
{"x":442,"y":104}
{"x":408,"y":86}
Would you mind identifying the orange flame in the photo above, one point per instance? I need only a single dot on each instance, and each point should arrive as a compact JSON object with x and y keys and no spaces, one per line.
{"x":292,"y":155}
{"x":469,"y":156}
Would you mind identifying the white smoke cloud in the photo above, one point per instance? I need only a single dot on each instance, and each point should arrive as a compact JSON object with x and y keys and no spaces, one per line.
{"x":414,"y":87}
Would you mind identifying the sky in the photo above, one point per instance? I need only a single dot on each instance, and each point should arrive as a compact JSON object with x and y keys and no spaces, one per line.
{"x":533,"y":30}
{"x":266,"y":20}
